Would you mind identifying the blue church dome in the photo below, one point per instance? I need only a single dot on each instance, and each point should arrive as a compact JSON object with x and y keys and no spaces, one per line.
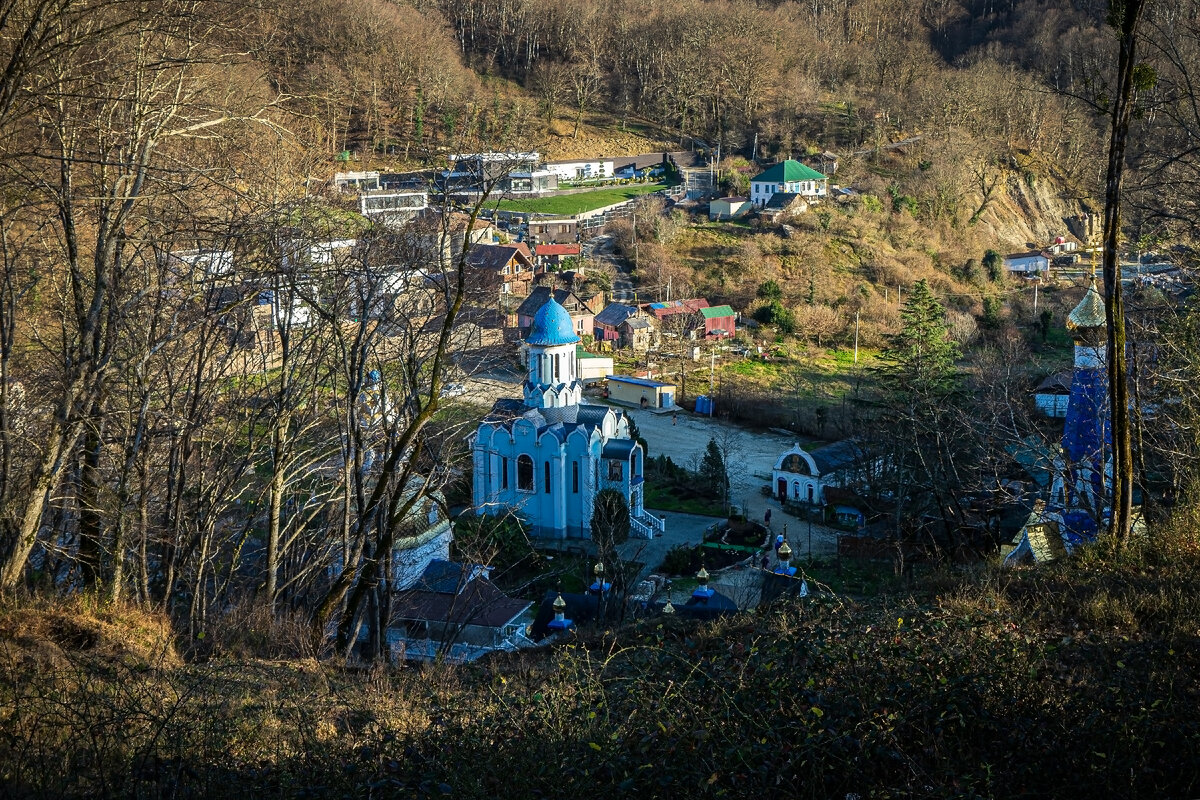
{"x":551,"y":326}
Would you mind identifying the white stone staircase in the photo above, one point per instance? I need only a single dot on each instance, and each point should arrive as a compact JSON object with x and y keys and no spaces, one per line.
{"x":645,"y":526}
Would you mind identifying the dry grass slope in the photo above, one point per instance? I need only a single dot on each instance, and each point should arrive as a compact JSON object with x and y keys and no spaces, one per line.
{"x":1072,"y":680}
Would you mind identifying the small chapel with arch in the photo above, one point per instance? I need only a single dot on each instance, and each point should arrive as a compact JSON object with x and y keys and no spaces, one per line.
{"x":546,"y":457}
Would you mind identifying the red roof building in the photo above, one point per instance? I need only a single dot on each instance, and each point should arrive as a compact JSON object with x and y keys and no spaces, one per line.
{"x":553,"y":255}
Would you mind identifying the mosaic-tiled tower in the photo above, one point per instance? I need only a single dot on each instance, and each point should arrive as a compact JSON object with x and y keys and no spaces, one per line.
{"x":1081,"y":489}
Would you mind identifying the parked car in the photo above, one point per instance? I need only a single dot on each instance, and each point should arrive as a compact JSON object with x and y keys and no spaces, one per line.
{"x":453,"y":390}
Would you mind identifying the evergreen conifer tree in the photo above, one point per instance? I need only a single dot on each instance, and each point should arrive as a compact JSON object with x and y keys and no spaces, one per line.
{"x":713,"y":476}
{"x":920,"y":438}
{"x":919,"y":360}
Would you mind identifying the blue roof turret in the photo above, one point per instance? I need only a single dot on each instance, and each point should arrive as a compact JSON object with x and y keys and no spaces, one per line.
{"x":551,"y":326}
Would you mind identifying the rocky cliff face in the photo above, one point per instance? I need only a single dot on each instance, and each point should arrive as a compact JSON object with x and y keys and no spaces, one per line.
{"x":1032,"y":211}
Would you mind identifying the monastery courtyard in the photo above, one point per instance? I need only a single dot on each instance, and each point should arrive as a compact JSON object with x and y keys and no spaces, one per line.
{"x":752,"y":456}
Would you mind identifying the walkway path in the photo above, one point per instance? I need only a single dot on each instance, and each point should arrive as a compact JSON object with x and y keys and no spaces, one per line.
{"x":752,"y":457}
{"x":681,"y":529}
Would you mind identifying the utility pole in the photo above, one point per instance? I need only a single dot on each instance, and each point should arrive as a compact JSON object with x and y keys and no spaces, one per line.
{"x":669,"y":291}
{"x":856,"y":332}
{"x":1035,"y":293}
{"x":635,"y":242}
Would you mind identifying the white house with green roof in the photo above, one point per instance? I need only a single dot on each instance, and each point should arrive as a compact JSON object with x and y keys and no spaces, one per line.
{"x":790,"y":177}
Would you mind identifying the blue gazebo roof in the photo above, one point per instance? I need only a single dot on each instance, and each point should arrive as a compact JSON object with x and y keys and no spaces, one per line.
{"x":551,"y":326}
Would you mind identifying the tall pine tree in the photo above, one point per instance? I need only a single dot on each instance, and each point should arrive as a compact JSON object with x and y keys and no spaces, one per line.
{"x":920,"y":435}
{"x":919,"y":360}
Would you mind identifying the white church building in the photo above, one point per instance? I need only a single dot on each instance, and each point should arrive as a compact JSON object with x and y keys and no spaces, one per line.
{"x":546,"y":459}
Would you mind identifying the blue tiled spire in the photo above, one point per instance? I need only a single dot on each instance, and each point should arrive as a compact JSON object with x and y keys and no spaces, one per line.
{"x":1087,"y":437}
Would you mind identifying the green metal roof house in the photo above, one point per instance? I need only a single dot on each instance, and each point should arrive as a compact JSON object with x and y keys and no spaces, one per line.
{"x":787,"y":176}
{"x":719,"y":321}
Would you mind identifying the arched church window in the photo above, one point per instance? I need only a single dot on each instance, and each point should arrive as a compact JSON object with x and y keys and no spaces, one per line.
{"x":810,"y":493}
{"x":615,"y":472}
{"x":525,"y":473}
{"x":546,"y":480}
{"x":796,"y":490}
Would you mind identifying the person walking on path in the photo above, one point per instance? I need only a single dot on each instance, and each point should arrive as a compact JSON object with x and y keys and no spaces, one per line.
{"x":767,"y":519}
{"x":675,"y":418}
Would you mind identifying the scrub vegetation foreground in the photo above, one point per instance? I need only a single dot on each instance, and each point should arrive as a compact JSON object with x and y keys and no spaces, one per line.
{"x":1070,"y":680}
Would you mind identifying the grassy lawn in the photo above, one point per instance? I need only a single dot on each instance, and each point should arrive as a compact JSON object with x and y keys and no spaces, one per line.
{"x":766,"y":372}
{"x":832,"y":374}
{"x":567,"y":204}
{"x":664,"y":498}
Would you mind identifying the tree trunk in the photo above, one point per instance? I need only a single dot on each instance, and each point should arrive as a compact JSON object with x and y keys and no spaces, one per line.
{"x":1125,"y":17}
{"x":48,"y":471}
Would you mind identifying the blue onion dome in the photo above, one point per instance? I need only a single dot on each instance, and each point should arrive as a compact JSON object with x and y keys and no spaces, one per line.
{"x":1090,"y":311}
{"x":551,"y":326}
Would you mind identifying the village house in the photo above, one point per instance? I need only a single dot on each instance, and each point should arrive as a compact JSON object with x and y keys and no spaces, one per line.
{"x":392,"y":208}
{"x":782,"y":205}
{"x":672,"y":308}
{"x":825,"y":162}
{"x":645,"y":165}
{"x":677,"y":318}
{"x":507,"y":268}
{"x":560,"y":230}
{"x":503,"y":173}
{"x":1029,"y":263}
{"x":592,"y":367}
{"x":1062,"y":245}
{"x":636,"y":333}
{"x":787,"y":176}
{"x":549,"y":257}
{"x":605,"y":324}
{"x":581,"y":169}
{"x":351,"y":182}
{"x":434,"y":238}
{"x":189,"y":266}
{"x":455,"y":611}
{"x":387,"y":294}
{"x":582,"y":318}
{"x":726,"y":208}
